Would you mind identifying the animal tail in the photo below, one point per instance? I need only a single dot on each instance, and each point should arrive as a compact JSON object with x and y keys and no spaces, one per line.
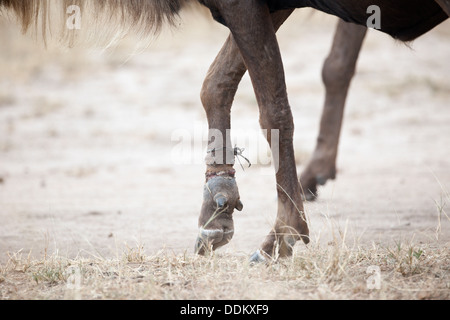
{"x":105,"y":18}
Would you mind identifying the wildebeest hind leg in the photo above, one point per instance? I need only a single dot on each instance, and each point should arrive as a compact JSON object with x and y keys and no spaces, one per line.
{"x":445,"y":5}
{"x":337,"y":73}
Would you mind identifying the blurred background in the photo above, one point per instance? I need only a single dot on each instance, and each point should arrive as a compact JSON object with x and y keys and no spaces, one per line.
{"x":87,"y":140}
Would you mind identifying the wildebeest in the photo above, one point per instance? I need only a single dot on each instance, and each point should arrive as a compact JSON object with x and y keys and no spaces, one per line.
{"x":252,"y":47}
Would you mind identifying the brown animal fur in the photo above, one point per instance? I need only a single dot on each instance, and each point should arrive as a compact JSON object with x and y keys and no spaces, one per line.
{"x":144,"y":17}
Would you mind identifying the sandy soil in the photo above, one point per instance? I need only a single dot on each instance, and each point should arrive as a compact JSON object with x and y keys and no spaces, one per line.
{"x":89,"y":156}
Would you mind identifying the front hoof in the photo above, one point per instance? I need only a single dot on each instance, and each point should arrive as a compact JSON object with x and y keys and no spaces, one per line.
{"x":279,"y":245}
{"x":216,"y":227}
{"x":209,"y":240}
{"x":259,"y":257}
{"x":280,"y":248}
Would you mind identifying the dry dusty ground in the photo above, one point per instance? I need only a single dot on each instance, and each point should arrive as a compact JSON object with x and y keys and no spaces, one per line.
{"x":90,"y":169}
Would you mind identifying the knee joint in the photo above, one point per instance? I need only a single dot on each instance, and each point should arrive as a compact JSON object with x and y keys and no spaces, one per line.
{"x":337,"y":72}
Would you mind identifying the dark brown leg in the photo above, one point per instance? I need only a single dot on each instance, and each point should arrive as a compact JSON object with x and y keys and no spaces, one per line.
{"x":337,"y":74}
{"x":252,"y":28}
{"x":221,"y":194}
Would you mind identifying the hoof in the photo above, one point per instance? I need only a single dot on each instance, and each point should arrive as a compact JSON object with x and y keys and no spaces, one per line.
{"x":210,"y":240}
{"x":257,"y":257}
{"x":220,"y":199}
{"x":313,"y":177}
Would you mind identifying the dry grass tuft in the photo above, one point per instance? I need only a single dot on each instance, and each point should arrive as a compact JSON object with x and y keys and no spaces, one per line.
{"x":405,"y":271}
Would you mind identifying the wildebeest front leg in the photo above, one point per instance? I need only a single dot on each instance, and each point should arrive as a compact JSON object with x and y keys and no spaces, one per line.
{"x":220,"y":190}
{"x":220,"y":195}
{"x":254,"y":33}
{"x":337,"y":73}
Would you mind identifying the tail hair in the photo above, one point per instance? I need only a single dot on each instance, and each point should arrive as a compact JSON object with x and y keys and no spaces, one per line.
{"x":105,"y":18}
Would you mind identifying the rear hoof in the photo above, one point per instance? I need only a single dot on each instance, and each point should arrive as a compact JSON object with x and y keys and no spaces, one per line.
{"x":312,"y":178}
{"x":310,"y":187}
{"x":309,"y":195}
